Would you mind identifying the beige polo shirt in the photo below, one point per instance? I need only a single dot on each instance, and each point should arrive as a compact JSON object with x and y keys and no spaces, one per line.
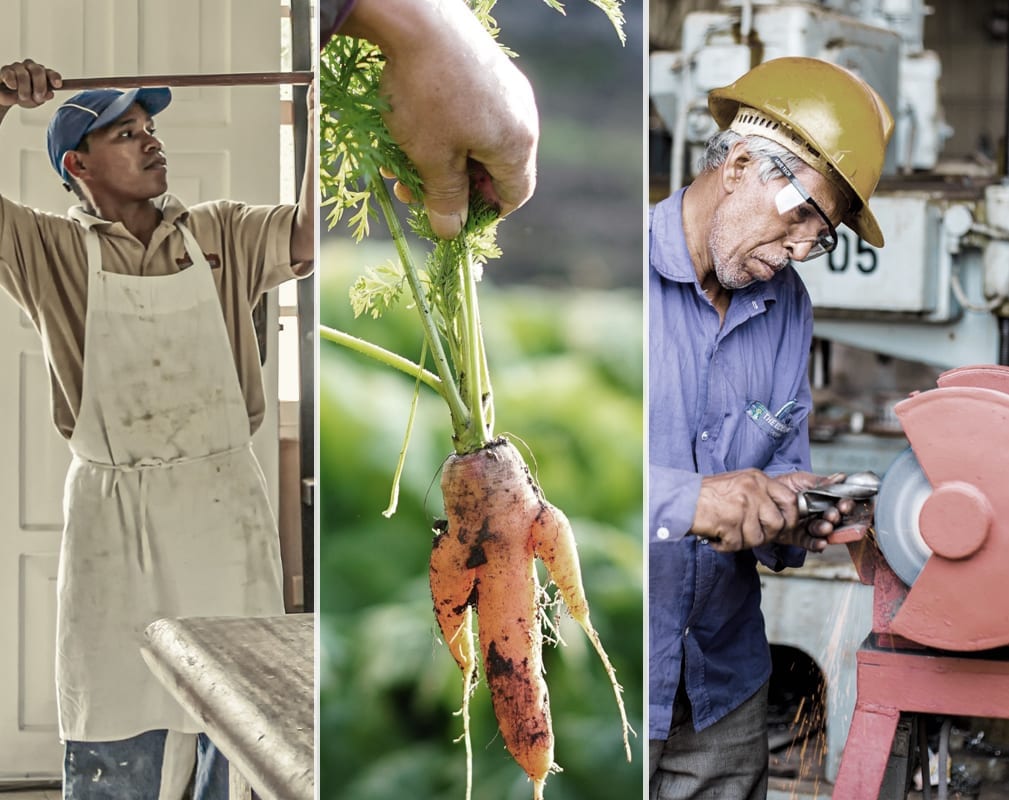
{"x":44,"y":267}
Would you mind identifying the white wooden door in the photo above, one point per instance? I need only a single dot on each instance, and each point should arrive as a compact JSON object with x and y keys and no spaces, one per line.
{"x":221,"y":143}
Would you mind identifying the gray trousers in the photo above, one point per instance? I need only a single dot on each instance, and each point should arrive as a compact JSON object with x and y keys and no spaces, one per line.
{"x":726,"y":761}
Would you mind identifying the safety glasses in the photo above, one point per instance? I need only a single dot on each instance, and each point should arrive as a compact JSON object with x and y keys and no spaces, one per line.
{"x":794,"y":195}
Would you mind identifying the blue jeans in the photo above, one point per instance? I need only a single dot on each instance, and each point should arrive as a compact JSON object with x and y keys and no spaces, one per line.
{"x":130,"y":769}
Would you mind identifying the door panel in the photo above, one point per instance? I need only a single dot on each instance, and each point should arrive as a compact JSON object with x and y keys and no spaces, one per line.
{"x":43,"y":455}
{"x":36,"y":654}
{"x":221,"y":142}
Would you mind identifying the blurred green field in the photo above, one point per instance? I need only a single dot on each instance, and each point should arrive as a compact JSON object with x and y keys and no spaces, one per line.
{"x":567,"y":372}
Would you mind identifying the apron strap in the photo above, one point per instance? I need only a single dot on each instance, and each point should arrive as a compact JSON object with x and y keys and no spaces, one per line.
{"x":193,"y":249}
{"x":94,"y":247}
{"x":110,"y":483}
{"x":144,"y":535}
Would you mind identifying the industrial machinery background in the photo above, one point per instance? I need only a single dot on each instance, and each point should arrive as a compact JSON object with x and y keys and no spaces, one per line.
{"x":938,"y":293}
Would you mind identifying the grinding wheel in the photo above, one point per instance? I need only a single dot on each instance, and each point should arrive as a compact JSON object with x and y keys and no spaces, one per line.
{"x":902,"y":493}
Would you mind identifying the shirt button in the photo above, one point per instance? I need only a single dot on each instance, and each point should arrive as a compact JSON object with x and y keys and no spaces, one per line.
{"x":704,"y":436}
{"x":662,"y":533}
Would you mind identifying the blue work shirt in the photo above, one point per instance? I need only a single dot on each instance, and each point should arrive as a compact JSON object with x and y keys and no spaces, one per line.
{"x":722,"y":397}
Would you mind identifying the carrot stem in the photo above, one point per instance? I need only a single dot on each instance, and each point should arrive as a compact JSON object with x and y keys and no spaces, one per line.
{"x":456,"y":406}
{"x":382,"y":355}
{"x":398,"y":475}
{"x":476,"y":361}
{"x":488,"y":394}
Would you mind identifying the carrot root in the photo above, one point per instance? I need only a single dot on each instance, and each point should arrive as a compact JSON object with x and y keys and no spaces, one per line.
{"x":452,"y":586}
{"x":556,"y":547}
{"x":498,"y":522}
{"x":468,"y":686}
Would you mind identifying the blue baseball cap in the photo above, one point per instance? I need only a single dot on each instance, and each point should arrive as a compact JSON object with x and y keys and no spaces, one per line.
{"x":93,"y":109}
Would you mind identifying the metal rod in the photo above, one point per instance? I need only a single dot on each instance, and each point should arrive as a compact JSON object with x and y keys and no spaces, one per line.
{"x":303,"y":54}
{"x":923,"y":759}
{"x":1003,"y":340}
{"x":218,"y":79}
{"x":944,"y":732}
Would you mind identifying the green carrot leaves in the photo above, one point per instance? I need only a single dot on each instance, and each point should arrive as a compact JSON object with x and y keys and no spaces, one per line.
{"x":378,"y":290}
{"x":354,"y":141}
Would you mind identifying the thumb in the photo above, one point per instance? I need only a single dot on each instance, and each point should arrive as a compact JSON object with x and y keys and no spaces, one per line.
{"x":446,"y":198}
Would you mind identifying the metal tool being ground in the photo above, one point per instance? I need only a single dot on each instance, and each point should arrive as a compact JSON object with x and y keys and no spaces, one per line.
{"x":903,"y":492}
{"x":857,"y":486}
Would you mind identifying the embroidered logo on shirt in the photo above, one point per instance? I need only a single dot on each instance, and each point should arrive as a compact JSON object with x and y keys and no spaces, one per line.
{"x":212,"y":258}
{"x":772,"y":423}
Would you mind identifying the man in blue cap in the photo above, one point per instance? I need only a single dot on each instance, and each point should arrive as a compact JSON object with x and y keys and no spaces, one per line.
{"x":90,"y":111}
{"x":144,"y":309}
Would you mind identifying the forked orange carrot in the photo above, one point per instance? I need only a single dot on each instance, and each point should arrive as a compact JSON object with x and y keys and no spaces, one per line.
{"x":498,"y":522}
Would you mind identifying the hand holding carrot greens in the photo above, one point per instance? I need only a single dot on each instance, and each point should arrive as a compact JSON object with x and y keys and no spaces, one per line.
{"x":453,"y":96}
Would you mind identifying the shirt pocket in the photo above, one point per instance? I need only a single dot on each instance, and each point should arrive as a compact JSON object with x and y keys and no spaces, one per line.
{"x":759,"y":435}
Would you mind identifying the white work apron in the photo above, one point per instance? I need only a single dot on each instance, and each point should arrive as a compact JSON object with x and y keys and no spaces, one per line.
{"x":165,"y":504}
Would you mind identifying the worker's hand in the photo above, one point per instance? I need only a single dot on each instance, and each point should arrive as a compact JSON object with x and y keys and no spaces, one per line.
{"x":743,"y":509}
{"x":27,"y":84}
{"x":460,"y":109}
{"x":747,"y":508}
{"x":811,"y":533}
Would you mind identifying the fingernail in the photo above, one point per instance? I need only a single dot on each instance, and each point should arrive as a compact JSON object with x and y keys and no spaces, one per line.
{"x":447,"y":226}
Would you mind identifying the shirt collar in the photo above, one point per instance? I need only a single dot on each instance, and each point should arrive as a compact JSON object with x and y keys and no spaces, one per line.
{"x":668,"y":251}
{"x":172,"y":211}
{"x":670,"y":257}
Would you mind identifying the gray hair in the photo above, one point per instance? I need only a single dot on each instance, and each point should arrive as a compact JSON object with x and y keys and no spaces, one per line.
{"x":759,"y":148}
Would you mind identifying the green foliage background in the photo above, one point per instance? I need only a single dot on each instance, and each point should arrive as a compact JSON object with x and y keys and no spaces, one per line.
{"x":570,"y":388}
{"x":563,"y":323}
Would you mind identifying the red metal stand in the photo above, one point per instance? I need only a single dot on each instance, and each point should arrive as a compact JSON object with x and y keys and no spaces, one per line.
{"x":924,"y":681}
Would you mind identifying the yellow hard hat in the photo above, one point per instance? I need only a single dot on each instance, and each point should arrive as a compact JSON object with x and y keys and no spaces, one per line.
{"x":826,"y":115}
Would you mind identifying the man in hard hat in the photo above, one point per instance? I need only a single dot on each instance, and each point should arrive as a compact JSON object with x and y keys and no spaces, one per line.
{"x":144,"y":309}
{"x":800,"y":150}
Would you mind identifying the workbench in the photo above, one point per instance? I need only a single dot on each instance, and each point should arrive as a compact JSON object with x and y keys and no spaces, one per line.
{"x":250,"y":682}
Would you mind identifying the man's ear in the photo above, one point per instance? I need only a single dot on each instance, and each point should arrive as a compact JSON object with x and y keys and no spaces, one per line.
{"x":734,"y":166}
{"x":73,"y":164}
